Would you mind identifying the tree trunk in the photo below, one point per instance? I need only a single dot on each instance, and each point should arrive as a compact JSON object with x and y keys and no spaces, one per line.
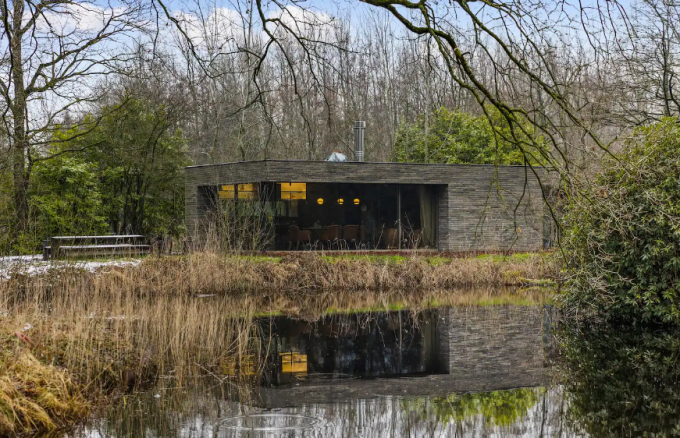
{"x":18,"y":108}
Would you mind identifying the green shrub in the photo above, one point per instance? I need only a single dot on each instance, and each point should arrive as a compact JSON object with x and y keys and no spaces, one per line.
{"x":497,"y":408}
{"x":456,"y":137}
{"x":622,"y":239}
{"x":66,"y":197}
{"x":620,"y":381}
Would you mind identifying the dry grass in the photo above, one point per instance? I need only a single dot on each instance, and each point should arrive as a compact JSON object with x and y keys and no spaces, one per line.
{"x":128,"y":325}
{"x":208,"y":273}
{"x":34,"y":396}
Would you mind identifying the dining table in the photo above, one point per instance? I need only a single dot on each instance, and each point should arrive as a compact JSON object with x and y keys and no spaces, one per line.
{"x":316,"y":232}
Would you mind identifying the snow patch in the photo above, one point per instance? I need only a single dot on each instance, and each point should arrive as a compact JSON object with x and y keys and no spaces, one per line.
{"x":34,"y":265}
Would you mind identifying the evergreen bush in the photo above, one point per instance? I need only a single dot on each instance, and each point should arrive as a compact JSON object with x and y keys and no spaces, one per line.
{"x":622,"y":238}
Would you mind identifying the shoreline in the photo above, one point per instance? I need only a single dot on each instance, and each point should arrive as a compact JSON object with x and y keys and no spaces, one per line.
{"x":104,"y":331}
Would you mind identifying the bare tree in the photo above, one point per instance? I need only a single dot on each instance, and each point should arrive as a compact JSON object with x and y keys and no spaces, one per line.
{"x":650,"y":61}
{"x":289,"y":82}
{"x":484,"y":48}
{"x":51,"y":52}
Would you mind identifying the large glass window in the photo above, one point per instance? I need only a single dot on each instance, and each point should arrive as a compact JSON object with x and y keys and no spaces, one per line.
{"x":247,"y":191}
{"x":293,"y":191}
{"x":240,"y":191}
{"x":227,"y":191}
{"x":287,"y":209}
{"x":354,"y":216}
{"x":334,"y":215}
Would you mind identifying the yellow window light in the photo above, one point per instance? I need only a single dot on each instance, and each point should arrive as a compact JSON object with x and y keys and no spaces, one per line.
{"x":356,"y":201}
{"x":319,"y":201}
{"x":293,"y":187}
{"x":247,"y":191}
{"x":293,"y":191}
{"x":341,"y":201}
{"x":291,"y":196}
{"x":246,"y":187}
{"x":245,"y":366}
{"x":293,"y":363}
{"x":227,"y":192}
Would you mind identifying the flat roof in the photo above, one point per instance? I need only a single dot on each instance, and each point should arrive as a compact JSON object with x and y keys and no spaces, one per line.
{"x":468,"y":175}
{"x":391,"y":163}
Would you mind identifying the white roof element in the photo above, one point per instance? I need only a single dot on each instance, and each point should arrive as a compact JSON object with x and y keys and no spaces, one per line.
{"x":337,"y":156}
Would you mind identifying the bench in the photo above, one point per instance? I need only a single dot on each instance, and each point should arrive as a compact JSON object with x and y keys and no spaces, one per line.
{"x":60,"y":247}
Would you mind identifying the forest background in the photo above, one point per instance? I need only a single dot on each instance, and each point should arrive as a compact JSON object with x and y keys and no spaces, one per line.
{"x":103,"y":105}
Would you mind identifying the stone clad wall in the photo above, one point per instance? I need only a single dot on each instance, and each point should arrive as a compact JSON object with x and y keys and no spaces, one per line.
{"x":501,"y":346}
{"x":481,"y":207}
{"x":490,"y":211}
{"x":478,"y":349}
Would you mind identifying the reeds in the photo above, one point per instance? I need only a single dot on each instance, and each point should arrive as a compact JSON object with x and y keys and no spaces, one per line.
{"x":177,"y":316}
{"x":210,"y":273}
{"x":34,"y":396}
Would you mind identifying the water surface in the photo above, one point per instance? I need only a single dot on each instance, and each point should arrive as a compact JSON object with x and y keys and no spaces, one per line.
{"x":495,"y":371}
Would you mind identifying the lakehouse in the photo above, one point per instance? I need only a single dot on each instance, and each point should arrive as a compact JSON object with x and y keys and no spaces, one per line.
{"x":367,"y":205}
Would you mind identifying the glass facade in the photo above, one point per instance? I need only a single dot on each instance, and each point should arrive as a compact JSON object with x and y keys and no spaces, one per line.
{"x":299,"y":215}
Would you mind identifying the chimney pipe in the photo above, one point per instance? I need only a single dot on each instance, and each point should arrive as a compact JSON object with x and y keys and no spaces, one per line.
{"x":359,"y":127}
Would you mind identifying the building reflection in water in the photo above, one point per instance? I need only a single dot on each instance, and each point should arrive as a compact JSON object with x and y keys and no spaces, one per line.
{"x":432,"y":352}
{"x":467,"y":371}
{"x":386,"y":344}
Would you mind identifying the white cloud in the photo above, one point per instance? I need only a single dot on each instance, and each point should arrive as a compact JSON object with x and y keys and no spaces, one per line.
{"x":221,"y":26}
{"x":224,"y":25}
{"x":83,"y":17}
{"x":310,"y":23}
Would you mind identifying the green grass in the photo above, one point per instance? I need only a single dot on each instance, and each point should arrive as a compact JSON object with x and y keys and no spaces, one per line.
{"x":517,"y":297}
{"x":257,"y":258}
{"x":391,"y":307}
{"x":434,"y":260}
{"x":504,"y":300}
{"x":267,"y":314}
{"x":390,"y":259}
{"x":373,"y":258}
{"x":518,"y":257}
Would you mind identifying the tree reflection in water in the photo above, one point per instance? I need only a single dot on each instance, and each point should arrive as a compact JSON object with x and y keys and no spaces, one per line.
{"x":205,"y":410}
{"x":621,"y":381}
{"x":611,"y":382}
{"x":459,"y":372}
{"x":498,"y":408}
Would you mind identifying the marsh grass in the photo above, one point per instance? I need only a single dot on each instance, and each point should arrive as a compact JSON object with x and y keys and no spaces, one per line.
{"x":35,"y":396}
{"x":101,"y":333}
{"x":305,"y":272}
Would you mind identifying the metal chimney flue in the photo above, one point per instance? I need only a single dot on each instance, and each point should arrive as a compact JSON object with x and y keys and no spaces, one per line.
{"x":359,"y":127}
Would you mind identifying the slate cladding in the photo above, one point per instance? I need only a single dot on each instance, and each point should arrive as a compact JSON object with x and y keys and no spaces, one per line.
{"x":481,"y":207}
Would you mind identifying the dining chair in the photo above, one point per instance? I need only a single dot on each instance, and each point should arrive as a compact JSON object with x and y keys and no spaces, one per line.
{"x":390,"y":237}
{"x":333,"y":235}
{"x":363,"y":235}
{"x":297,"y":235}
{"x":350,"y":234}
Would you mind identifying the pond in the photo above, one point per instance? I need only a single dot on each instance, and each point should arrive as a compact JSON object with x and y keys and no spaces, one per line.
{"x":458,"y":371}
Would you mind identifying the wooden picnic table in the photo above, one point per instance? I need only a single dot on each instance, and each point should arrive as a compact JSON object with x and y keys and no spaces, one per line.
{"x":94,"y":246}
